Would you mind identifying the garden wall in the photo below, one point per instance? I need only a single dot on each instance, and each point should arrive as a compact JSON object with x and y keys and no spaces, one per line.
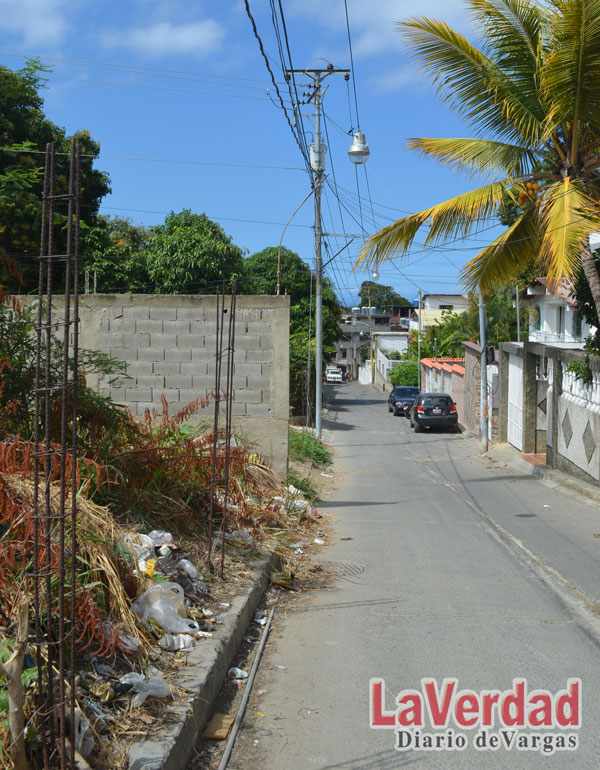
{"x":169,"y":342}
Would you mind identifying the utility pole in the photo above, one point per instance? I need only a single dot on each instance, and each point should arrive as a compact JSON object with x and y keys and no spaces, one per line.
{"x":419,"y":342}
{"x":483,"y":390}
{"x":518,"y":314}
{"x":317,"y":163}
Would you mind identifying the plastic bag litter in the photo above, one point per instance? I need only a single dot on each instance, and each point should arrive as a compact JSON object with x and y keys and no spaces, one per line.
{"x":141,"y":545}
{"x":237,"y":673}
{"x":128,"y":643}
{"x":161,"y":537}
{"x":319,"y":541}
{"x":189,"y":569}
{"x":84,"y":739}
{"x":164,"y":603}
{"x":143,"y":688}
{"x":175,"y":642}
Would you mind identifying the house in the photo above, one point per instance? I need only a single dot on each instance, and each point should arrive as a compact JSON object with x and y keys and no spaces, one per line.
{"x":433,"y":307}
{"x":553,"y":314}
{"x":355,"y":331}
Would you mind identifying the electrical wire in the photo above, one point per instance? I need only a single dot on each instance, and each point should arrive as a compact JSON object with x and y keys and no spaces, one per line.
{"x":23,"y":151}
{"x":352,"y":65}
{"x":270,"y":71}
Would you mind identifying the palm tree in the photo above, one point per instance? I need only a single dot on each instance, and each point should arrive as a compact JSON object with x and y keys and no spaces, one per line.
{"x":531,"y":95}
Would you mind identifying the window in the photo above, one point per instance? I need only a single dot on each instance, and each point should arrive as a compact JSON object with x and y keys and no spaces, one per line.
{"x":446,"y":307}
{"x":561,"y":320}
{"x":537,"y":318}
{"x":577,"y":324}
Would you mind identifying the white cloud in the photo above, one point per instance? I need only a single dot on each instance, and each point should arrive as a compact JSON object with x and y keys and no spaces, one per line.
{"x":373,"y":26}
{"x":199,"y":38}
{"x":37,"y":22}
{"x":397,"y":79}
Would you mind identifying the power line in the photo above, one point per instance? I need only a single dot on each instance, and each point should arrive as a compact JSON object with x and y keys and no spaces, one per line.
{"x":157,"y":160}
{"x":132,"y":67}
{"x":352,"y":65}
{"x":270,"y":71}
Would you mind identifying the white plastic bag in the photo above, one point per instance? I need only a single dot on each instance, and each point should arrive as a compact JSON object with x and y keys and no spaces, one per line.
{"x":143,"y":688}
{"x":160,"y":537}
{"x":141,"y":545}
{"x":164,"y":603}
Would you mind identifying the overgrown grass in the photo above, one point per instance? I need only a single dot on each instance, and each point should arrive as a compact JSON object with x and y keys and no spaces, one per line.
{"x":304,"y":485}
{"x":304,"y":446}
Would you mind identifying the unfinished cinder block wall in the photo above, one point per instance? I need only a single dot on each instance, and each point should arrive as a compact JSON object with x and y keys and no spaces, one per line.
{"x":168,"y":343}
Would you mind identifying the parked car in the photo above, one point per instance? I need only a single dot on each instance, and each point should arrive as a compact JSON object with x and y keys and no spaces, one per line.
{"x":434,"y":410}
{"x":401,"y":399}
{"x":333,"y":375}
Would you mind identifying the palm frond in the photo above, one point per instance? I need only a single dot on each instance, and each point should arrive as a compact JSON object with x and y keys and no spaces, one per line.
{"x":478,"y":155}
{"x":568,"y":217}
{"x":473,"y":84}
{"x":571,"y":75}
{"x":499,"y":263}
{"x":455,"y":217}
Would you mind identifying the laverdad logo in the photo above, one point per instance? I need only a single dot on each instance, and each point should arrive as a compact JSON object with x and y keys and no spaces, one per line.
{"x":444,"y":718}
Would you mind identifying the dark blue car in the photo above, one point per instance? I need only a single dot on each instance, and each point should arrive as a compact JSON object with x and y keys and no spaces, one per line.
{"x":401,"y":399}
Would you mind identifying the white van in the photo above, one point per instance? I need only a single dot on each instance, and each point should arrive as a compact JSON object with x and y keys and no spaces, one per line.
{"x":333,"y":375}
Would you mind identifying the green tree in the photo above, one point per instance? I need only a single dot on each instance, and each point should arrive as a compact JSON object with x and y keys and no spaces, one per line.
{"x":405,"y":373}
{"x":260,"y":277}
{"x":116,"y":248}
{"x":384,"y":298}
{"x":24,"y":133}
{"x":531,"y":94}
{"x":189,"y":252}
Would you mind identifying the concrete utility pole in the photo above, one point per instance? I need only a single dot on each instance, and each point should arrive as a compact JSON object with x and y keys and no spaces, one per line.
{"x":419,"y":341}
{"x":483,"y":392}
{"x":518,"y":314}
{"x":317,"y":163}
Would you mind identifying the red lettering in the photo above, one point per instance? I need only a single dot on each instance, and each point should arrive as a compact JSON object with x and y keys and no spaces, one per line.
{"x":380,"y":718}
{"x":439,"y":714}
{"x":569,"y":700}
{"x":412,"y":716}
{"x":466,"y":704}
{"x":542,"y":715}
{"x":512,"y":708}
{"x":490,"y":699}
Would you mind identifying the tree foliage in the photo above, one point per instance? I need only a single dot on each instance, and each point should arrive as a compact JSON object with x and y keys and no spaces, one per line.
{"x":384,"y":298}
{"x":405,"y":373}
{"x":190,"y":253}
{"x":117,"y":250}
{"x":260,"y":277}
{"x":24,"y":133}
{"x":531,"y":96}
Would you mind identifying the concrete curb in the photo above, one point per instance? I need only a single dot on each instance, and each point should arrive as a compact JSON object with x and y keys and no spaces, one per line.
{"x":171,"y":746}
{"x":552,"y":475}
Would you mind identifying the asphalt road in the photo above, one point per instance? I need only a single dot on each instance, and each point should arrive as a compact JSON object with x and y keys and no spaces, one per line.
{"x":456,"y":567}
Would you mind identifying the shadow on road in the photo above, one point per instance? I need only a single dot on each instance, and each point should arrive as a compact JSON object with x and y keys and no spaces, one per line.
{"x":382,"y":760}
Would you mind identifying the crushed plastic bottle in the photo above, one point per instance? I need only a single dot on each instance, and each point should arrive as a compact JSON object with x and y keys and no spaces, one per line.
{"x":176,"y":642}
{"x":164,"y":603}
{"x":237,"y":673}
{"x":189,"y":569}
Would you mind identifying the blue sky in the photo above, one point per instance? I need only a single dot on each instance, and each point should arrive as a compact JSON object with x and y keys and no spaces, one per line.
{"x":176,"y":87}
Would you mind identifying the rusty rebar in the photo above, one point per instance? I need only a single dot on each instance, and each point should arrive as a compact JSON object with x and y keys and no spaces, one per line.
{"x":55,"y":646}
{"x":228,"y":415}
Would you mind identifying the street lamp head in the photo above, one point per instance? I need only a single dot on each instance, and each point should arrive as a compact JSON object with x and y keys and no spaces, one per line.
{"x":375,"y":273}
{"x":359,"y":149}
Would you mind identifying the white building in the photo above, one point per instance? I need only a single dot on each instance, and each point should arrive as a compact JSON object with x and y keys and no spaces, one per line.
{"x":553,"y":315}
{"x":433,"y":307}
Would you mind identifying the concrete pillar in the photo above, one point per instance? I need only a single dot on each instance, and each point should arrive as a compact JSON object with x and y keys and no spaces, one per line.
{"x":503,"y":390}
{"x":529,"y":399}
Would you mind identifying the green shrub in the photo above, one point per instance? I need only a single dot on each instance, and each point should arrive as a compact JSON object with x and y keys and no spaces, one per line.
{"x":304,"y":485}
{"x":304,"y":446}
{"x":405,"y":373}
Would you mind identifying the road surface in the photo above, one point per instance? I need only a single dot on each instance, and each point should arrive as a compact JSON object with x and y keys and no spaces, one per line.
{"x":457,"y":567}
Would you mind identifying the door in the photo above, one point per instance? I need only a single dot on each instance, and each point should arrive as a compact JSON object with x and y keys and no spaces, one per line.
{"x":515,"y":401}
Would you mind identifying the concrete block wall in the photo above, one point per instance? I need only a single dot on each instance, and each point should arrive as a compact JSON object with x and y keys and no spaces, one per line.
{"x":168,"y":343}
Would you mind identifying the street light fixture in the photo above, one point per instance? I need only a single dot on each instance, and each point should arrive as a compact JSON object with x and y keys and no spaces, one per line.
{"x":359,"y":149}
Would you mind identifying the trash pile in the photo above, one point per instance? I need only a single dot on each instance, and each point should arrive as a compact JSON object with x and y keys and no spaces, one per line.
{"x":145,"y":596}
